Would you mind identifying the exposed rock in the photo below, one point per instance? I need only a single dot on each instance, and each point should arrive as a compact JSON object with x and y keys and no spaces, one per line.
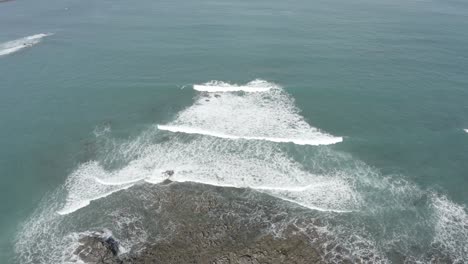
{"x":197,"y":246}
{"x":112,"y":245}
{"x":96,"y":248}
{"x":166,"y":181}
{"x":169,"y":173}
{"x":193,"y":223}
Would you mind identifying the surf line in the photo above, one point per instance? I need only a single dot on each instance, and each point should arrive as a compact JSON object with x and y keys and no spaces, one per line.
{"x":214,"y":89}
{"x":312,"y":142}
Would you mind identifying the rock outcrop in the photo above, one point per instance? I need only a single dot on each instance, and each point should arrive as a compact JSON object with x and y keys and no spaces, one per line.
{"x":193,"y":223}
{"x":98,"y":248}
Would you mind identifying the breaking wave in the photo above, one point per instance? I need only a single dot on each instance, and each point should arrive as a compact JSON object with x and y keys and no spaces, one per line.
{"x":22,"y":43}
{"x":269,"y":115}
{"x":318,"y":140}
{"x":251,"y":87}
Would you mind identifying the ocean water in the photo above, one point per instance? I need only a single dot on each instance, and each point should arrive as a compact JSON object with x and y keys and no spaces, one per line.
{"x":356,"y":110}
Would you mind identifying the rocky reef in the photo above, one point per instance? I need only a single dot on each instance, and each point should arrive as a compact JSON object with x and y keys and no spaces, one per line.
{"x":196,"y":246}
{"x":196,"y":223}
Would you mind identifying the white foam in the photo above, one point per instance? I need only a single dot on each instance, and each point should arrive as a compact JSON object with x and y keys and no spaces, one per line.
{"x":316,"y":208}
{"x":19,"y":44}
{"x":116,"y":183}
{"x":43,"y":239}
{"x":451,"y":228}
{"x":466,"y":130}
{"x":320,"y":140}
{"x":251,"y":87}
{"x":257,"y":165}
{"x":82,"y":187}
{"x":269,"y":116}
{"x":50,"y":238}
{"x":102,"y":130}
{"x":75,"y":205}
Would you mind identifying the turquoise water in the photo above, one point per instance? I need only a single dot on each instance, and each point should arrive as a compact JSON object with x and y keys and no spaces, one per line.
{"x":387,"y":76}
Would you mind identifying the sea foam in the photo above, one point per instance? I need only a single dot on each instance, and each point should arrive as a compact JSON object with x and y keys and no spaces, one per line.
{"x":451,"y":228}
{"x":257,"y":165}
{"x":270,"y":115}
{"x":22,"y":43}
{"x":318,"y":140}
{"x":219,"y":86}
{"x":82,"y":187}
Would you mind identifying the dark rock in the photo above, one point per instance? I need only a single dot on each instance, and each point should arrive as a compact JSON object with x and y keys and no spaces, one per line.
{"x":166,"y":182}
{"x":97,"y":249}
{"x":207,"y":224}
{"x":169,"y":173}
{"x":113,"y":245}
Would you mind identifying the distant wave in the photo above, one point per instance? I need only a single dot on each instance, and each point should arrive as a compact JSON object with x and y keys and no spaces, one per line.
{"x":218,"y":86}
{"x":22,"y":43}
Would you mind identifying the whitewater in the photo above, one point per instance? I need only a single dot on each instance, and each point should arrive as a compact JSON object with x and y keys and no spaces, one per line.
{"x":263,"y":112}
{"x":22,"y":43}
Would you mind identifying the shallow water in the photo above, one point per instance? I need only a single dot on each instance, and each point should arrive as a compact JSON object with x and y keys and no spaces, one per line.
{"x":80,"y":110}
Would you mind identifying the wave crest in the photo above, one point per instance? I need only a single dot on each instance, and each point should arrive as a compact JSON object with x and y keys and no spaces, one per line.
{"x":257,"y":85}
{"x":270,"y":116}
{"x":22,"y":43}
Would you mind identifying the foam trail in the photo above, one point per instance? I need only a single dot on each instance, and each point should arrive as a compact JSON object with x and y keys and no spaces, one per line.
{"x":19,"y":44}
{"x":269,"y":116}
{"x":251,"y":87}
